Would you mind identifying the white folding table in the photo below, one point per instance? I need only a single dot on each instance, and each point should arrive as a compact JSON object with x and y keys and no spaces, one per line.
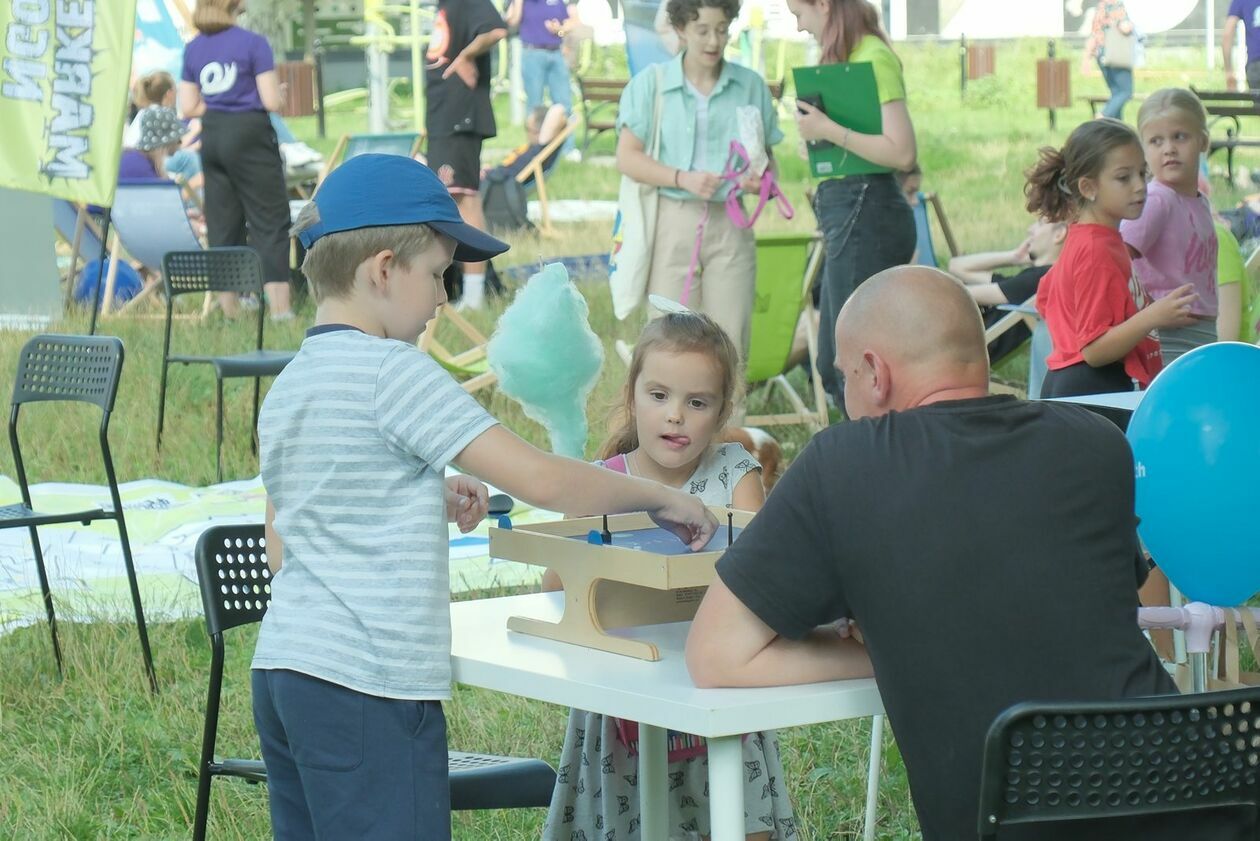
{"x":659,"y":695}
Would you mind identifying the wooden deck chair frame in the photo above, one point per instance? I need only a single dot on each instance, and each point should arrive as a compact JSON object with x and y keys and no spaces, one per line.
{"x":536,"y":171}
{"x":459,"y":362}
{"x":334,"y":159}
{"x":131,"y":307}
{"x":83,"y":222}
{"x":934,"y":201}
{"x":816,"y":418}
{"x":997,"y":328}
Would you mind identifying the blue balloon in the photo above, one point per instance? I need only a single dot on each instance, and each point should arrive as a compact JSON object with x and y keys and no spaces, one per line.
{"x":1196,"y":446}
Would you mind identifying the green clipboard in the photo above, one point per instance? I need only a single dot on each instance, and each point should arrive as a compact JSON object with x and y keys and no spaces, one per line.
{"x":850,"y":98}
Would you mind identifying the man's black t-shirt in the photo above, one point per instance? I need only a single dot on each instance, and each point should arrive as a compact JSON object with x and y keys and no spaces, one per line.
{"x":451,"y":107}
{"x":888,"y":521}
{"x":1017,"y":289}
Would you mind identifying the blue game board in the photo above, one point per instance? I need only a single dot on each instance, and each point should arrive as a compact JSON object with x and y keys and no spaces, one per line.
{"x":661,"y":542}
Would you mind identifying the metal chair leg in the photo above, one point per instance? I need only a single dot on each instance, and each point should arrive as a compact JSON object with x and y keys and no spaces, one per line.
{"x":46,"y":593}
{"x":253,"y":429}
{"x":141,"y":628}
{"x":161,"y":404}
{"x":218,"y":425}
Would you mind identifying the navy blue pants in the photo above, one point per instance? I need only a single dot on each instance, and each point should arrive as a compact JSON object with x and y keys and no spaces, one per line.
{"x":342,"y":764}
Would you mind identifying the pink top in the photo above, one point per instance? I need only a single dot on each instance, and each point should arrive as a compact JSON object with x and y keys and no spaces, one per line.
{"x":1175,"y":242}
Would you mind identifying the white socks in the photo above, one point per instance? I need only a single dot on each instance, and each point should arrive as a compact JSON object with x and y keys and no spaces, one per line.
{"x":474,"y":291}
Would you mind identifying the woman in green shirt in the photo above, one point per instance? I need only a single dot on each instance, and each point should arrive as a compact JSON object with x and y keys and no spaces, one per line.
{"x":866,"y":223}
{"x":701,"y":95}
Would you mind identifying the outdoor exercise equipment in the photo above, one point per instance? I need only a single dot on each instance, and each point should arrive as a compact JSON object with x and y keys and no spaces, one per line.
{"x":379,"y":41}
{"x":1197,"y":457}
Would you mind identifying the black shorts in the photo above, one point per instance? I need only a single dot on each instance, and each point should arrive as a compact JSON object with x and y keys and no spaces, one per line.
{"x":456,"y":158}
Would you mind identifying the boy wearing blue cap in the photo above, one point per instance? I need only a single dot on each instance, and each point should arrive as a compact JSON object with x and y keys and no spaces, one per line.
{"x":353,"y":657}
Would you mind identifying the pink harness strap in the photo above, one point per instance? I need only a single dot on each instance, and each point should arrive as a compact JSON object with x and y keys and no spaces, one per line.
{"x":737,"y":163}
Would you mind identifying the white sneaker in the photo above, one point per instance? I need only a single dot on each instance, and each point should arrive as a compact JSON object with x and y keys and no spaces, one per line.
{"x":297,"y":155}
{"x":574,"y":155}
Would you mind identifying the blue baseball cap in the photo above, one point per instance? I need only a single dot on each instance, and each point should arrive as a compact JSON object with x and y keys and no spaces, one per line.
{"x":371,"y":191}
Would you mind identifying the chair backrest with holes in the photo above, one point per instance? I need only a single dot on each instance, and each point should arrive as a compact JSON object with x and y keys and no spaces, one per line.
{"x":234,"y":576}
{"x":225,"y":269}
{"x":1068,"y":761}
{"x":81,"y":368}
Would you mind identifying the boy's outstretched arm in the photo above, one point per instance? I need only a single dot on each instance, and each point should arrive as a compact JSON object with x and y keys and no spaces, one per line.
{"x":573,"y":487}
{"x":275,"y":546}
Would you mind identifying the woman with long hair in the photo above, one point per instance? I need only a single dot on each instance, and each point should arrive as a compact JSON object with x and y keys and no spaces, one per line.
{"x":229,"y":81}
{"x":867,"y":224}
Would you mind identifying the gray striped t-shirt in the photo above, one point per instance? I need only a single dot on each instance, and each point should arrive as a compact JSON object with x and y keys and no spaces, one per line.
{"x":354,"y":436}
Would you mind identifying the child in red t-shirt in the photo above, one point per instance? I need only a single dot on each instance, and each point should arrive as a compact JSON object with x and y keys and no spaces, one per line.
{"x":1101,"y":323}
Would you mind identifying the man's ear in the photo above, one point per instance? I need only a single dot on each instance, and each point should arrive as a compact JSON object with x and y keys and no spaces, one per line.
{"x":875,"y":367}
{"x":1060,"y":233}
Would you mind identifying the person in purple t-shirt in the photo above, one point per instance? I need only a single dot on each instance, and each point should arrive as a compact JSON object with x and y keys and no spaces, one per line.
{"x":542,"y":25}
{"x":1247,"y":11}
{"x":229,"y":81}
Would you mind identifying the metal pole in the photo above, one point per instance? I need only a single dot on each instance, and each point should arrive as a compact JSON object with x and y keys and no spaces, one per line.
{"x":417,"y":68}
{"x":1209,"y":30}
{"x":962,"y":65}
{"x":319,"y":88}
{"x":100,"y":272}
{"x":1050,"y":51}
{"x":378,"y":79}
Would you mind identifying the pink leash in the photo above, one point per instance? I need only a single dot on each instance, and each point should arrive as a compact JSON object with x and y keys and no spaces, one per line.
{"x":737,"y":163}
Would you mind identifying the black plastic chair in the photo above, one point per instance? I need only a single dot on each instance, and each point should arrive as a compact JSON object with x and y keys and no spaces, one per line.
{"x":236,"y":270}
{"x":236,"y":590}
{"x":1130,"y":758}
{"x":83,"y":369}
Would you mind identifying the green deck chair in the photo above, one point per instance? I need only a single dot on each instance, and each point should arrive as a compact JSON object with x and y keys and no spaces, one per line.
{"x":787,"y":265}
{"x":469,"y":367}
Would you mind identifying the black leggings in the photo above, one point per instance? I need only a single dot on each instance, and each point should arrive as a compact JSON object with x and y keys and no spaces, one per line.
{"x":245,"y":190}
{"x":1082,"y":378}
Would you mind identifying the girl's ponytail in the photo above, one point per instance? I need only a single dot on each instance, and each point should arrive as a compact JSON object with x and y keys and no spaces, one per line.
{"x":1046,"y":189}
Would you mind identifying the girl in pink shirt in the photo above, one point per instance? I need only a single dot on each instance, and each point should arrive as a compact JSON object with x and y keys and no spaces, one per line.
{"x":1173,"y":242}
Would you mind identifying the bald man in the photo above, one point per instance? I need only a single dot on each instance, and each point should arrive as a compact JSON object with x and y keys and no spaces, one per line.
{"x":888,"y":520}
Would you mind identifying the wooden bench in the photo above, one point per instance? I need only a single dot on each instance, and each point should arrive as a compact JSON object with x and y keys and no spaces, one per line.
{"x":1097,"y":102}
{"x":1230,"y":106}
{"x":600,"y":98}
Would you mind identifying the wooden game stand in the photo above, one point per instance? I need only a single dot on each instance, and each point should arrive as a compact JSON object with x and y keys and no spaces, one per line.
{"x":611,"y":586}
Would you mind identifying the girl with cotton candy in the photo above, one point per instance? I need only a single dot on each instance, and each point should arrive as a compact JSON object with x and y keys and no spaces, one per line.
{"x":679,"y":393}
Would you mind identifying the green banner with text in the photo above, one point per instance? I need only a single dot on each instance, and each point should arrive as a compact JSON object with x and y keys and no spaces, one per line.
{"x":63,"y":95}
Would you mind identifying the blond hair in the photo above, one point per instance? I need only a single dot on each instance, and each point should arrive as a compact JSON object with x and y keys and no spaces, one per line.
{"x":1173,"y":99}
{"x":687,"y":332}
{"x":213,"y":16}
{"x":152,"y":88}
{"x":331,"y":262}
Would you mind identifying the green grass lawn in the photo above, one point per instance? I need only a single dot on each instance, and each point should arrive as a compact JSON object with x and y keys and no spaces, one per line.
{"x":95,"y":756}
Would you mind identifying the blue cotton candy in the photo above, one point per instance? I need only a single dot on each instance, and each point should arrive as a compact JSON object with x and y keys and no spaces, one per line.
{"x":547,"y":357}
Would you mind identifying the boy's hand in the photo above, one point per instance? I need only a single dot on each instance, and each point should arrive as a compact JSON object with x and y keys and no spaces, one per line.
{"x":687,"y":517}
{"x":1021,"y":256}
{"x":467,"y":501}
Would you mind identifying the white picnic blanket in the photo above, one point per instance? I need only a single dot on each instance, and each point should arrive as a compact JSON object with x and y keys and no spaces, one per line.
{"x":164,"y":520}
